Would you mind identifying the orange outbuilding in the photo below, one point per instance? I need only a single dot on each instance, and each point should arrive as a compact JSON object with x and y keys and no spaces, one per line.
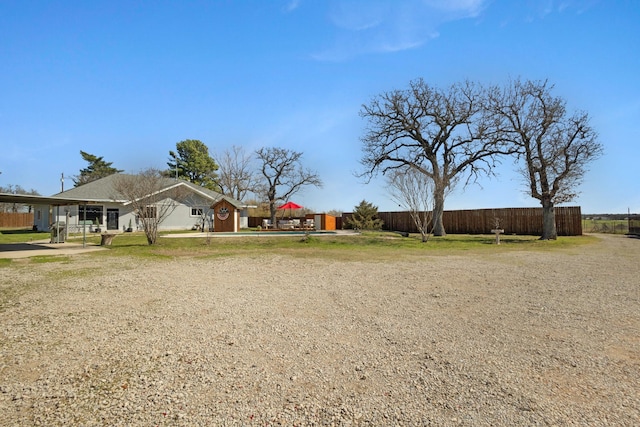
{"x":323,"y":221}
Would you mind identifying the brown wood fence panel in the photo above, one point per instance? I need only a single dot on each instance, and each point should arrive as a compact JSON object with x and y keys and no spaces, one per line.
{"x":254,"y":221}
{"x":522,"y":221}
{"x":634,"y":225}
{"x":16,"y":219}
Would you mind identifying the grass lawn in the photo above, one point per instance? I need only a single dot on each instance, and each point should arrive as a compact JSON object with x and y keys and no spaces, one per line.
{"x":364,"y":246}
{"x":368,"y":245}
{"x":21,"y":235}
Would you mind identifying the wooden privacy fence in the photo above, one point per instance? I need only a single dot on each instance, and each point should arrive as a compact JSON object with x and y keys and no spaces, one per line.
{"x":634,"y":225}
{"x":16,"y":219}
{"x":523,"y":221}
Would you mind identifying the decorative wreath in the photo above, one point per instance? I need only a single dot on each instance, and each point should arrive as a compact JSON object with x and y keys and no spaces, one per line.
{"x":223,"y":213}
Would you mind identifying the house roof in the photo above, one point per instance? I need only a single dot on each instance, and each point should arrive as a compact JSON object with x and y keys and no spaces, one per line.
{"x":27,"y":199}
{"x":103,"y":190}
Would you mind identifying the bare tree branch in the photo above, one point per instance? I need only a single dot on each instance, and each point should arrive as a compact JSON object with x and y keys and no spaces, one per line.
{"x":553,"y":146}
{"x":413,"y":190}
{"x":236,"y":172}
{"x":442,"y":134}
{"x":283,"y":175}
{"x":152,"y":196}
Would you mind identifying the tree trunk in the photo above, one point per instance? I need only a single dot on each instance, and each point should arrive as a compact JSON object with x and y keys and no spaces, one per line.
{"x":272,"y":213}
{"x":150,"y":230}
{"x":438,"y":209}
{"x":548,"y":221}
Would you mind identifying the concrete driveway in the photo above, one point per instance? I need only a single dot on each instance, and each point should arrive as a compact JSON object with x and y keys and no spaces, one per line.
{"x":25,"y":250}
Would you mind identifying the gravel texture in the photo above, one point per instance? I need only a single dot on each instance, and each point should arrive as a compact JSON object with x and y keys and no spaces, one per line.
{"x":505,"y":338}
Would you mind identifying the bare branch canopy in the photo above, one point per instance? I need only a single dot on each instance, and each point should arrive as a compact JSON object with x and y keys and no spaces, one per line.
{"x":554,"y":146}
{"x":443,"y":134}
{"x":284,"y":175}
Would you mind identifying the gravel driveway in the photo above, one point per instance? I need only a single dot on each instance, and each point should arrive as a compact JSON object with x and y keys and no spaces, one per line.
{"x":504,"y":338}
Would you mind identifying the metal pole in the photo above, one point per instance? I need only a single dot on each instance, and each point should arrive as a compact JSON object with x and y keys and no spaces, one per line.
{"x":176,"y":159}
{"x":84,"y":227}
{"x":57,"y":224}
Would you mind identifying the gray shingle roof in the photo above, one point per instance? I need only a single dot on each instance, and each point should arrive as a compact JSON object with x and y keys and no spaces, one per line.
{"x":103,"y":190}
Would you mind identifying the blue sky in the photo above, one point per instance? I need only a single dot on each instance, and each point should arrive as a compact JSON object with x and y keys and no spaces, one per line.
{"x":127,"y":80}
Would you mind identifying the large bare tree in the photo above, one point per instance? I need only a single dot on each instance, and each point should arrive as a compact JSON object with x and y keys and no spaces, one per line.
{"x":554,"y":146}
{"x":443,"y":134}
{"x":236,"y":174}
{"x":413,"y":191}
{"x":284,"y":175}
{"x":152,"y":196}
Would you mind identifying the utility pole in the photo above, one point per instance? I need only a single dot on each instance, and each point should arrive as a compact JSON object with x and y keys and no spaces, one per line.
{"x":176,"y":158}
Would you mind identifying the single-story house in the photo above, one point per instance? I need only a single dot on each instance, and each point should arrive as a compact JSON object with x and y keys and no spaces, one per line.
{"x":105,"y":209}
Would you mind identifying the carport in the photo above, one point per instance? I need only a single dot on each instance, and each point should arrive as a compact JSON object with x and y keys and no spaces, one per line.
{"x":25,"y":199}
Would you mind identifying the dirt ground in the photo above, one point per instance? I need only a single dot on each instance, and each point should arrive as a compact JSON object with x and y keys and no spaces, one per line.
{"x":504,"y":338}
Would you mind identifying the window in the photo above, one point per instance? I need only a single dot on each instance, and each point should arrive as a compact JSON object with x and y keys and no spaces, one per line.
{"x":149,"y":212}
{"x":197,"y":212}
{"x":93,"y":213}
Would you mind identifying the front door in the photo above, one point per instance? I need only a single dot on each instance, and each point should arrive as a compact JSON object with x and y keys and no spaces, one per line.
{"x":112,"y":219}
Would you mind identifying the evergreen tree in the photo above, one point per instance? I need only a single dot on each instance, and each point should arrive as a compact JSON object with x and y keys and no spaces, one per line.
{"x":97,"y":169}
{"x":193,"y":163}
{"x":365,"y":217}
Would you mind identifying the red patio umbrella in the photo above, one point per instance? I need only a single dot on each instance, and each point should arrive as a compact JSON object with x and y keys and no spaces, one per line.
{"x":290,"y":206}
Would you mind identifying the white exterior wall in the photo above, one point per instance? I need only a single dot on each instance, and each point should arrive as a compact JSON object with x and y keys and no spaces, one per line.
{"x":244,"y":218}
{"x":72,"y":217}
{"x":41,"y":217}
{"x":126,"y":216}
{"x":179,"y":219}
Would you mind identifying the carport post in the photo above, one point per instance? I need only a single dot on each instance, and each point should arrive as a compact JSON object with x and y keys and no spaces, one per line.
{"x":84,"y":227}
{"x":57,"y":225}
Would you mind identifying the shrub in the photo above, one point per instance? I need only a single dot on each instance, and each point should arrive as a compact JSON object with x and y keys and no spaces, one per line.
{"x":365,"y":217}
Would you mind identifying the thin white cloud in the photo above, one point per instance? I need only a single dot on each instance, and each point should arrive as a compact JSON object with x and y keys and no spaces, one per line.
{"x":358,"y":15}
{"x":467,"y":8}
{"x":538,"y":9}
{"x":562,"y":6}
{"x":291,"y":5}
{"x":379,"y":26}
{"x":397,"y":47}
